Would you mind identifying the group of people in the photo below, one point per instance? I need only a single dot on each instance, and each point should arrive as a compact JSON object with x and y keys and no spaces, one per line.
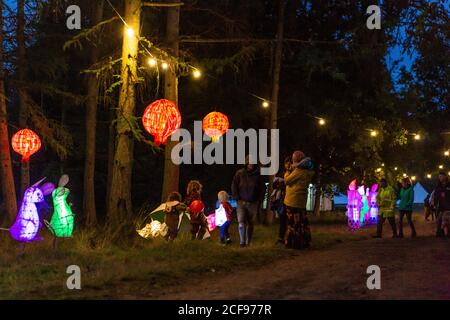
{"x":438,"y":202}
{"x":248,"y":189}
{"x":198,"y":220}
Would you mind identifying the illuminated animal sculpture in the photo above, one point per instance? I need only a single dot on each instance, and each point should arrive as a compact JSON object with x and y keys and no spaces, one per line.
{"x":27,"y":224}
{"x":61,"y":224}
{"x":373,"y":204}
{"x":364,"y":214}
{"x":354,"y":206}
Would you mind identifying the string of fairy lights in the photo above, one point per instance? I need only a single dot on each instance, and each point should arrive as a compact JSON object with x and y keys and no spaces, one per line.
{"x":197,"y":73}
{"x":154,"y":62}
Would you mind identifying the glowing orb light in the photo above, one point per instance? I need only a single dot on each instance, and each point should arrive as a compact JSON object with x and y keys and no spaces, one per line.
{"x":26,"y":143}
{"x":196,"y":206}
{"x":215,"y":124}
{"x":161,"y":118}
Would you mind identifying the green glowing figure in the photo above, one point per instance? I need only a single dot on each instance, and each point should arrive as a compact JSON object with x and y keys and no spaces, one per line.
{"x":61,"y":224}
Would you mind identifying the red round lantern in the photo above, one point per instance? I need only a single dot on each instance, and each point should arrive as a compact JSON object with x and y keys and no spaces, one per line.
{"x":215,"y":124}
{"x":196,"y":206}
{"x":161,"y":118}
{"x":26,"y":143}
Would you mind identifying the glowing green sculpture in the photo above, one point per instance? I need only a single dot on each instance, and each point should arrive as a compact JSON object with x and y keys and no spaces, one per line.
{"x":61,"y":224}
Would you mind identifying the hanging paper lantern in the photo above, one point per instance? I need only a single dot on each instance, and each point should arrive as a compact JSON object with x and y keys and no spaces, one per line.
{"x":26,"y":143}
{"x":161,"y":118}
{"x":215,"y":124}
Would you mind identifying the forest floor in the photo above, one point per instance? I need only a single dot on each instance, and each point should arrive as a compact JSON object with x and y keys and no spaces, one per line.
{"x":333,"y":268}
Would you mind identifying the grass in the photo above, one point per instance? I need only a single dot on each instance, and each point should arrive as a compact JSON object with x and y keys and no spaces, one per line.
{"x":137,"y":265}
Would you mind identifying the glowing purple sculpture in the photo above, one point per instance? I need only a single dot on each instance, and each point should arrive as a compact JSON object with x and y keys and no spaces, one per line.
{"x":373,"y":204}
{"x":354,"y":206}
{"x":27,"y":224}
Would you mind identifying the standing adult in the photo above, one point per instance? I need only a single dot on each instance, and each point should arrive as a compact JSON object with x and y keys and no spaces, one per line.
{"x":441,"y":201}
{"x":297,"y":178}
{"x":248,"y":189}
{"x":406,"y":207}
{"x":386,"y":200}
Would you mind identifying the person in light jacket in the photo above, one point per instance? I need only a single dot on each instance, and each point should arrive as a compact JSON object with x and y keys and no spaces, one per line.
{"x":297,"y":178}
{"x":386,"y":200}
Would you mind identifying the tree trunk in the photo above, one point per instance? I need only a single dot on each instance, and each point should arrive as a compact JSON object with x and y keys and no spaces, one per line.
{"x":89,"y":208}
{"x":6,"y":172}
{"x":273,"y":122}
{"x":120,"y":206}
{"x":21,"y":66}
{"x":171,"y":171}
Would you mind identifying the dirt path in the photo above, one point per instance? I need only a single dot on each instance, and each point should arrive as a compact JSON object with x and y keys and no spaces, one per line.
{"x":410,"y":269}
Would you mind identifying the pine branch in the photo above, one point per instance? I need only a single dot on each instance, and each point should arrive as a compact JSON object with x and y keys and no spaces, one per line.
{"x":76,"y":41}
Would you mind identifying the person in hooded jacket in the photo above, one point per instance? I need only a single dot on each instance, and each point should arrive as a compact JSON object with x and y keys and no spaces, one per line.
{"x":297,"y":179}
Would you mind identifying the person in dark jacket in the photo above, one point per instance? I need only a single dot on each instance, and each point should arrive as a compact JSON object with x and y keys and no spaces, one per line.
{"x":248,"y":189}
{"x":406,"y":207}
{"x":441,"y":201}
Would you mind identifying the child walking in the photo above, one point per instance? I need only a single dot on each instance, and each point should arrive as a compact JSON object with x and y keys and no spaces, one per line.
{"x":199,"y":223}
{"x":224,"y":220}
{"x":172,"y":217}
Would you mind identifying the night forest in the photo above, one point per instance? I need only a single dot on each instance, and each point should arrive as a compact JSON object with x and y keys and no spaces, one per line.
{"x":69,"y":87}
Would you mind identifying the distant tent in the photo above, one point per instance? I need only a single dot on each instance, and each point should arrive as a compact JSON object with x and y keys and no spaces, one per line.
{"x":325,"y":200}
{"x":340,"y":200}
{"x":419,"y":194}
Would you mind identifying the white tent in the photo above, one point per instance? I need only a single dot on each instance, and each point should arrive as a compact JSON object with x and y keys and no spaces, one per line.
{"x":419,"y":193}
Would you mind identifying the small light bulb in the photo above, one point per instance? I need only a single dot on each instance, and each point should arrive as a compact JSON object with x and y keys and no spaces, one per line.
{"x":196,"y":74}
{"x":405,"y":175}
{"x":265,"y":104}
{"x":417,"y":137}
{"x":413,"y":178}
{"x":395,"y":168}
{"x":373,"y":133}
{"x":151,"y":62}
{"x":441,"y":167}
{"x":130,"y":32}
{"x":382,"y":164}
{"x":429,"y":176}
{"x":322,"y":122}
{"x":379,"y":170}
{"x":164,"y":66}
{"x":447,"y":153}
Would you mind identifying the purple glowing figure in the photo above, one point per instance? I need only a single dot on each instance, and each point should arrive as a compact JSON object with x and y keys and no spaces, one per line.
{"x":373,"y":204}
{"x":354,"y":206}
{"x":27,"y":224}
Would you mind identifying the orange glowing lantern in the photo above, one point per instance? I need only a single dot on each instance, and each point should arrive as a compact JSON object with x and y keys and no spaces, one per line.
{"x":215,"y":124}
{"x":161,"y":118}
{"x":26,"y":143}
